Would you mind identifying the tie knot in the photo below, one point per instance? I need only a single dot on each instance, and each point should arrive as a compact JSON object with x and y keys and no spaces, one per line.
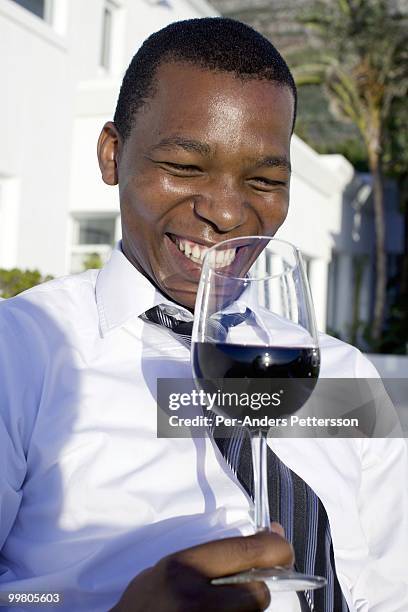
{"x":180,"y":321}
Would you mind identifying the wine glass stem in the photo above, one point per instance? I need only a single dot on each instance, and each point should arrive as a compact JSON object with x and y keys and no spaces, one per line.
{"x":259,"y":462}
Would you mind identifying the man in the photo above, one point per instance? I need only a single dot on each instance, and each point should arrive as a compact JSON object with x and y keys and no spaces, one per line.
{"x":93,"y":505}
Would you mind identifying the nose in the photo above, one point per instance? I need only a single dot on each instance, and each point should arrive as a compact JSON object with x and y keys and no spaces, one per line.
{"x":223,"y":205}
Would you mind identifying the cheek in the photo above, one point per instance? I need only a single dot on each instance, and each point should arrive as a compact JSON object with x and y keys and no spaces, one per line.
{"x":144,"y":203}
{"x":151,"y":195}
{"x":274,"y":213}
{"x":139,"y":202}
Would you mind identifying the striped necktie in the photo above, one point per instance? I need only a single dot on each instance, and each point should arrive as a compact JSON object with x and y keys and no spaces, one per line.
{"x":292,"y":502}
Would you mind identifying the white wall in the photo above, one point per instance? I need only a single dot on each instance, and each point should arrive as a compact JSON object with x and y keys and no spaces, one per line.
{"x":9,"y":220}
{"x":37,"y":107}
{"x":88,"y":192}
{"x":316,"y":213}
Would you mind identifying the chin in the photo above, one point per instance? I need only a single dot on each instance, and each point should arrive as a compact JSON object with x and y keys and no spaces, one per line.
{"x":181,"y":296}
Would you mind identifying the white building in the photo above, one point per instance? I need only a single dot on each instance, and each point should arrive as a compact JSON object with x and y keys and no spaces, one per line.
{"x":62,"y":62}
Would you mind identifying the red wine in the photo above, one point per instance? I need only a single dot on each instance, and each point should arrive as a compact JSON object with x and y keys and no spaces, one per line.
{"x":250,"y":361}
{"x":240,"y":368}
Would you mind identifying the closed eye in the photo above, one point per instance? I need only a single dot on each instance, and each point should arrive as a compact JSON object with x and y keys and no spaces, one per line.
{"x":265,"y":183}
{"x":181,"y":168}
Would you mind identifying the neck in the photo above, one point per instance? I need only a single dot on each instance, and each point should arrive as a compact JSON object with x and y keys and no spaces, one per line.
{"x":127,"y":253}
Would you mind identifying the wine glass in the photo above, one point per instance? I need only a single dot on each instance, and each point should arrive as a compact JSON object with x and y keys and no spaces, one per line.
{"x":254,"y":320}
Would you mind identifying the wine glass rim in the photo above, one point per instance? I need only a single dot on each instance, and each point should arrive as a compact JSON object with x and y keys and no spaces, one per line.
{"x":266,"y":276}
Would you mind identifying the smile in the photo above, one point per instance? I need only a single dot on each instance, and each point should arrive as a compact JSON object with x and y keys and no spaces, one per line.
{"x":196,"y":252}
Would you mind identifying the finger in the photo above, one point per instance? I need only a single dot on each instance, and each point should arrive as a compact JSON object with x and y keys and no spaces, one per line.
{"x":248,"y":597}
{"x":277,"y":528}
{"x":232,"y":555}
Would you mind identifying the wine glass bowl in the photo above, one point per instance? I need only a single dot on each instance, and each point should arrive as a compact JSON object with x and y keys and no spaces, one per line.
{"x":254,"y":325}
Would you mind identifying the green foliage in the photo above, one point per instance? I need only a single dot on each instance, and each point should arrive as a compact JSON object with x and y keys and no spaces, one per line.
{"x":361,"y":60}
{"x":93,"y":261}
{"x":14,"y":281}
{"x":335,"y":333}
{"x":395,"y":337}
{"x":396,"y":141}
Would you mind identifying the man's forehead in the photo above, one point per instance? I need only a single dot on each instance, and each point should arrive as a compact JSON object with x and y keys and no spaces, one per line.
{"x":190,"y":72}
{"x":190,"y":99}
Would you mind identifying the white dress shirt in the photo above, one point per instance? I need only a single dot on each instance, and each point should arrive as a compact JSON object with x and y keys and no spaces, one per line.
{"x":89,"y":496}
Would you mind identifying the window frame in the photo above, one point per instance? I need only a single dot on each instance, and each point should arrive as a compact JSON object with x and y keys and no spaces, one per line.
{"x":48,"y":9}
{"x":105,"y":50}
{"x":53,"y":31}
{"x":103,"y":250}
{"x":110,"y":58}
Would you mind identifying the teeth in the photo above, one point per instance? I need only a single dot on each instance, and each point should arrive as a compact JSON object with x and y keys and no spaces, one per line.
{"x":219,"y":257}
{"x":222,"y":258}
{"x":196,"y":253}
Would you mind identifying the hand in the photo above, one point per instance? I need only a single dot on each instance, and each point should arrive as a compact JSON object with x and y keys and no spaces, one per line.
{"x":181,"y":582}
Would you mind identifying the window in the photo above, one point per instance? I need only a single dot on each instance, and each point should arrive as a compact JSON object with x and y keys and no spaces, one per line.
{"x":41,"y":8}
{"x":106,"y":45}
{"x":93,"y":237}
{"x":96,"y":231}
{"x":113,"y":28}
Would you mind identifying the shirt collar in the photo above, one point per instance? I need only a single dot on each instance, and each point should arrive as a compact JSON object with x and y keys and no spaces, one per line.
{"x":122,"y":292}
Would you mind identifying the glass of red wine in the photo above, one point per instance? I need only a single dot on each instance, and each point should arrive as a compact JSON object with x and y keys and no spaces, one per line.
{"x":254,"y":319}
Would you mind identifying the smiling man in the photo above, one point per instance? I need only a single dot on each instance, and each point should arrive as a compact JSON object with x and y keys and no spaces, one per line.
{"x":94,"y":508}
{"x":205,"y":159}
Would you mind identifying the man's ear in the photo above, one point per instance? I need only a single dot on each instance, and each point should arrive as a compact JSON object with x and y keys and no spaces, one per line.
{"x":109,"y":143}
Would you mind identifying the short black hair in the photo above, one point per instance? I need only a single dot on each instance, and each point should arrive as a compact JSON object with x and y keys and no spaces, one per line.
{"x":212,"y":43}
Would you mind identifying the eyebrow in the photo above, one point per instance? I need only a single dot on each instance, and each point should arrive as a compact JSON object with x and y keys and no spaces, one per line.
{"x":273,"y":161}
{"x":184,"y":143}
